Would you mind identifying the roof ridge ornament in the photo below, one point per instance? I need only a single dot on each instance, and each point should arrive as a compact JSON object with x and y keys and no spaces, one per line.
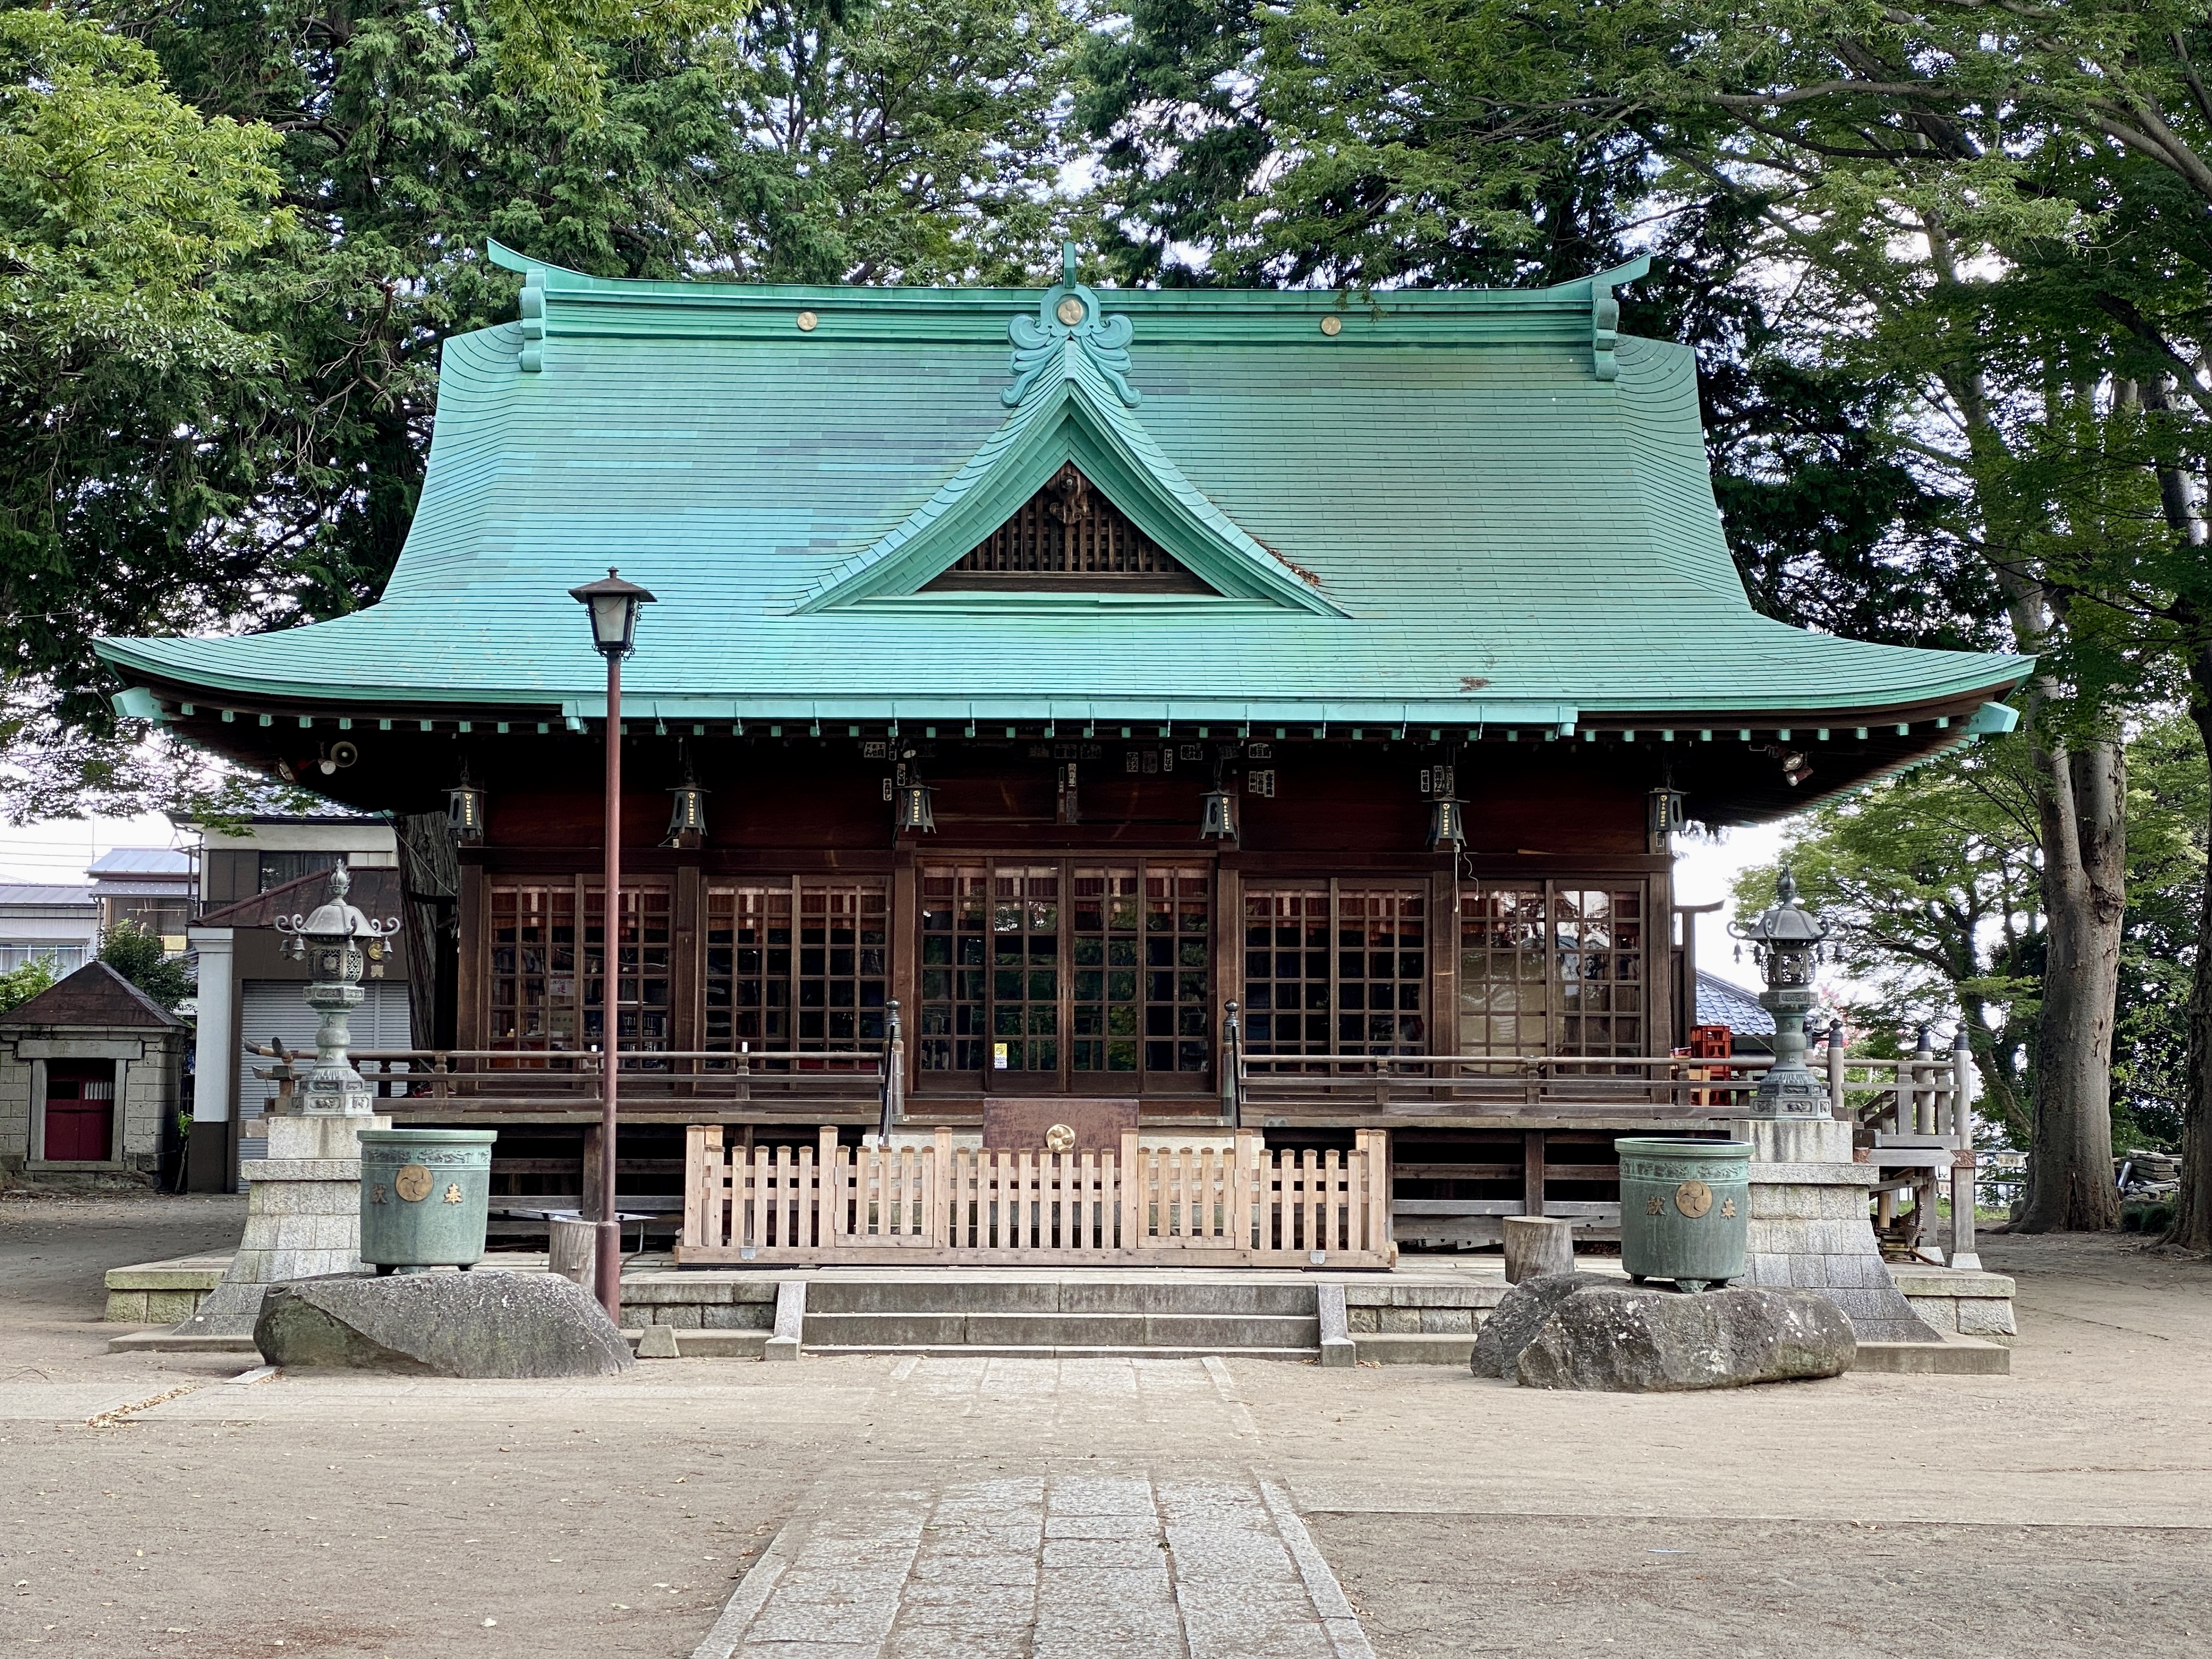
{"x":1069,"y":318}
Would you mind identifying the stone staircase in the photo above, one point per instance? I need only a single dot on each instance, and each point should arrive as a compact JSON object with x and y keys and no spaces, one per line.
{"x":1159,"y":1317}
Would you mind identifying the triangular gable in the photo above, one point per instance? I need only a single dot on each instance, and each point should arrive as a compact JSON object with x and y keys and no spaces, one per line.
{"x":1068,"y":538}
{"x":1072,"y":404}
{"x":94,"y":996}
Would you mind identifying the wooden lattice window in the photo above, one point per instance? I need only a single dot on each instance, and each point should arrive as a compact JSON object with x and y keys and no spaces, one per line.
{"x":1335,"y":969}
{"x":1552,"y":967}
{"x":830,"y":992}
{"x":548,"y":986}
{"x":1069,"y":536}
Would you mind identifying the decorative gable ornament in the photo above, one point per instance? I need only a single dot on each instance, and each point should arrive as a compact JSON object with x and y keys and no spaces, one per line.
{"x":1069,"y":319}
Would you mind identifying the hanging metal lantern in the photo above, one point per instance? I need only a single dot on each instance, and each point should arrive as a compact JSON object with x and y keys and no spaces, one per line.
{"x":1447,"y":825}
{"x":911,"y":814}
{"x":465,"y":812}
{"x":687,"y":817}
{"x":1447,"y":811}
{"x":1218,"y":822}
{"x":1663,"y":817}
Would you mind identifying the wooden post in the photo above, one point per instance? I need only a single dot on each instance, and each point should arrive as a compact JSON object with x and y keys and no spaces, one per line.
{"x":1245,"y":1174}
{"x":1838,"y":1106}
{"x":697,"y":1223}
{"x":1532,"y":1172}
{"x":1537,"y":1246}
{"x":1963,"y":1252}
{"x":1132,"y":1195}
{"x":572,"y":1251}
{"x":1375,"y":1152}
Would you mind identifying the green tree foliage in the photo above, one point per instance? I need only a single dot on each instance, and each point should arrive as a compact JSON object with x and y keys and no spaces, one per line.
{"x":1932,"y":878}
{"x":137,"y":956}
{"x":1406,"y":141}
{"x":133,"y":374}
{"x":19,"y":985}
{"x":870,"y":141}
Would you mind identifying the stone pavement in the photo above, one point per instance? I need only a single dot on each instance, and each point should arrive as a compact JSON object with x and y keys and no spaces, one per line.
{"x":1062,"y":1566}
{"x":903,"y":1558}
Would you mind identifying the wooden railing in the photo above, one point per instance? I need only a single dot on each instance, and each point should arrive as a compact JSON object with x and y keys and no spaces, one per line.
{"x":1918,"y":1090}
{"x":662,"y":1085}
{"x":936,"y":1203}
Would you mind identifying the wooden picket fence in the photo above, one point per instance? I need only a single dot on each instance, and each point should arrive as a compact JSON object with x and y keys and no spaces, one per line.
{"x":937,"y":1204}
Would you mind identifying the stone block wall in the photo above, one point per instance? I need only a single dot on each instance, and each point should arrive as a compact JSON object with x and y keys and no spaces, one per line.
{"x":1978,"y":1304}
{"x":695,"y":1302}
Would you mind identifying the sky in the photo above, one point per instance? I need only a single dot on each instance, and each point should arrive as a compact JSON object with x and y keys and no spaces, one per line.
{"x":58,"y":852}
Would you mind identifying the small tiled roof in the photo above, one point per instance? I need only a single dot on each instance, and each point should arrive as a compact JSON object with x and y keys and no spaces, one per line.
{"x":1721,"y":1002}
{"x":140,"y":861}
{"x":94,"y":996}
{"x":279,"y":804}
{"x":44,"y":895}
{"x":376,"y":891}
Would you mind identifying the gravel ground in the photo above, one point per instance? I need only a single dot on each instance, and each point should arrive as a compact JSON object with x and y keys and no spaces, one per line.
{"x":2056,"y":1510}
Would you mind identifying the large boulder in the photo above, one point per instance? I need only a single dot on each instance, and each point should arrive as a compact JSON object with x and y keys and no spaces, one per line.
{"x":471,"y":1324}
{"x":1627,"y":1340}
{"x":1514,"y":1322}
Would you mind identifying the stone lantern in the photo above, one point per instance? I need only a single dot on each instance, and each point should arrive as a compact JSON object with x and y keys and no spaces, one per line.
{"x":338,"y":942}
{"x":303,"y":1198}
{"x":1786,"y":942}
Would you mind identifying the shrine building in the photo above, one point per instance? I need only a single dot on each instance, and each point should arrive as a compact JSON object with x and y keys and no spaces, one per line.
{"x":1063,"y":667}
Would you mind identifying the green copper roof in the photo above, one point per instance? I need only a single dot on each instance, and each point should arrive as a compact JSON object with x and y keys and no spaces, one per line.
{"x":1448,"y":507}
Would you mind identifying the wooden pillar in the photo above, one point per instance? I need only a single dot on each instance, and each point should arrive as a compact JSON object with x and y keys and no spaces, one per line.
{"x":1228,"y":954}
{"x":1532,"y":1172}
{"x":469,"y":959}
{"x":589,"y":1185}
{"x":686,"y":960}
{"x":903,"y":940}
{"x":1443,"y":963}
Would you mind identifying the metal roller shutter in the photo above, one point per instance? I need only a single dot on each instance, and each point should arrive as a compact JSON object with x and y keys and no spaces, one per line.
{"x":275,"y":1011}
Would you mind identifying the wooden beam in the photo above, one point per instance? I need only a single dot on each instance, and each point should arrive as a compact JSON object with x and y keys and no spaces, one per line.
{"x":1532,"y":1172}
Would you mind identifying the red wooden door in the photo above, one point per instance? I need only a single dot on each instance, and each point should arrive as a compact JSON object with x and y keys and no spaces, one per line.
{"x":80,"y":1110}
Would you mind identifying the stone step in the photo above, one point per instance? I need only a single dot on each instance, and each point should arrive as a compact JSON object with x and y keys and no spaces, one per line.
{"x":1201,"y":1332}
{"x":831,"y":1295}
{"x":1413,"y":1348}
{"x":971,"y":1351}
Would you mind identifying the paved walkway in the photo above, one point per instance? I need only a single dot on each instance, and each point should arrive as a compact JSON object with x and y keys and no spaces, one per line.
{"x":1120,"y":1556}
{"x":1043,"y":1567}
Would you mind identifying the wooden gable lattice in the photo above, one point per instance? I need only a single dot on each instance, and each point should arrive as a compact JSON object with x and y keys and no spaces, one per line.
{"x":1069,"y":537}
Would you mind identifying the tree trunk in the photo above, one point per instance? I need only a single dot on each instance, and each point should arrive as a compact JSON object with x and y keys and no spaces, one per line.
{"x":2192,"y":1214}
{"x":2083,"y":826}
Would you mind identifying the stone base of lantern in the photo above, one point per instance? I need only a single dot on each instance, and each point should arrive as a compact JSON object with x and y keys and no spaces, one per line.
{"x":1809,"y":1227}
{"x":302,"y":1219}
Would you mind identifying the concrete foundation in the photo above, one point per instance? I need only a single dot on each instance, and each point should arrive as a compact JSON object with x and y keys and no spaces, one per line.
{"x":302,"y":1219}
{"x":1809,"y":1226}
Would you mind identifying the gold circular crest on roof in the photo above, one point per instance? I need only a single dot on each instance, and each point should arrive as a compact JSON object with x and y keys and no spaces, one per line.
{"x":1070,"y":311}
{"x":1332,"y":326}
{"x":412,"y":1183}
{"x":1059,"y":1139}
{"x":806,"y":319}
{"x":1693,"y":1199}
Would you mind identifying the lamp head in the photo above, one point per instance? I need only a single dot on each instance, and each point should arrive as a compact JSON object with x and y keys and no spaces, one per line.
{"x":613,"y":605}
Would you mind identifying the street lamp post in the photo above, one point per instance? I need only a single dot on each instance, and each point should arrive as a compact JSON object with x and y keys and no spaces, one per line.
{"x":613,"y":607}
